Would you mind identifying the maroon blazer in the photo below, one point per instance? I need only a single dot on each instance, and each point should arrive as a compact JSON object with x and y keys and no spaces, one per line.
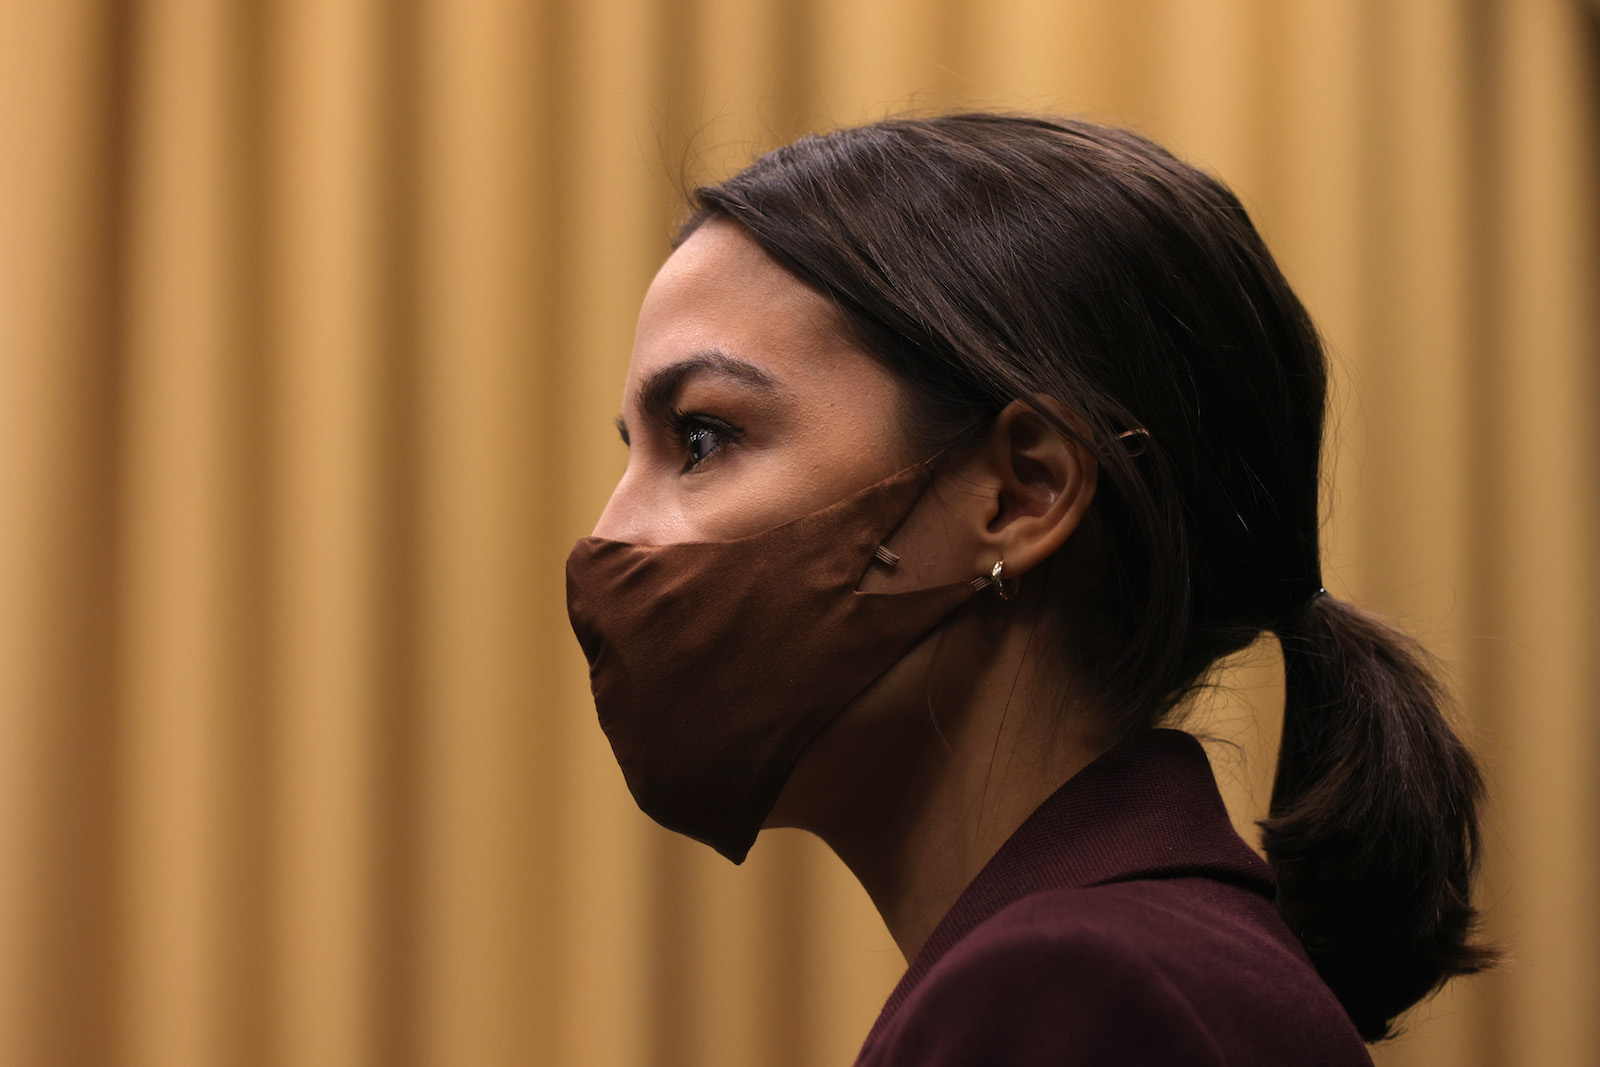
{"x":1125,"y":922}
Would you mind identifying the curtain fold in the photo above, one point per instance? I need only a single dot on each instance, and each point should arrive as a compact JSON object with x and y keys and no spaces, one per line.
{"x":313,"y":322}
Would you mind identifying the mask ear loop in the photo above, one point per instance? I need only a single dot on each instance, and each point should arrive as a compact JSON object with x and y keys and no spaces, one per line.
{"x":887,"y":556}
{"x":1005,"y":587}
{"x":1136,"y":441}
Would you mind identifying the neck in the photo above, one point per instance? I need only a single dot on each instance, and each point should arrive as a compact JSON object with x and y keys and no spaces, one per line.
{"x":927,"y":799}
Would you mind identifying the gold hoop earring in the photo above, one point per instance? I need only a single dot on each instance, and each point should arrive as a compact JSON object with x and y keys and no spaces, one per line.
{"x":995,"y":578}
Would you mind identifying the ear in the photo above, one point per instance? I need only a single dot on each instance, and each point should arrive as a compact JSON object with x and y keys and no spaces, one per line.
{"x":1043,"y":482}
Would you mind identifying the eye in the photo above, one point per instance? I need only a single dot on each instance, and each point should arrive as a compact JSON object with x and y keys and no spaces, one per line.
{"x":701,"y":436}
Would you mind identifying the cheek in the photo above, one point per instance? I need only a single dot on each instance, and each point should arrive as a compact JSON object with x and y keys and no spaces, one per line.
{"x":766,"y":495}
{"x":654,"y":505}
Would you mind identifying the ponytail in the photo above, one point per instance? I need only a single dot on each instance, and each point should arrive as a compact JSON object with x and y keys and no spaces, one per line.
{"x":987,"y":257}
{"x":1373,"y":829}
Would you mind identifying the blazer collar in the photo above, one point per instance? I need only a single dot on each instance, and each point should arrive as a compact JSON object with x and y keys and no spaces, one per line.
{"x":1147,"y":808}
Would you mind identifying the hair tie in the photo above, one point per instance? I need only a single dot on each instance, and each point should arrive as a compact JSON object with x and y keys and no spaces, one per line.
{"x":1293,"y":615}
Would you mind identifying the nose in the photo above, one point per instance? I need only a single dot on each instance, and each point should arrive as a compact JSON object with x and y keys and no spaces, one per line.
{"x":613,"y":524}
{"x":644,"y":510}
{"x":633,"y":514}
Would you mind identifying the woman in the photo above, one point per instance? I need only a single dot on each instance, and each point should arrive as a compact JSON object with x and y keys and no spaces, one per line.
{"x":960,"y":450}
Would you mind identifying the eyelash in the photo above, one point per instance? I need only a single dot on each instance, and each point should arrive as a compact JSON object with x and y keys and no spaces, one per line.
{"x":686,"y":425}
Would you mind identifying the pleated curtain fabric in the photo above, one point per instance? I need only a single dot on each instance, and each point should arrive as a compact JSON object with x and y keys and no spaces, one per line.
{"x":313,"y":321}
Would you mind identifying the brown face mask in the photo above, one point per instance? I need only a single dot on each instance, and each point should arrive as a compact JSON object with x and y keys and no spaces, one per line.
{"x":715,"y":663}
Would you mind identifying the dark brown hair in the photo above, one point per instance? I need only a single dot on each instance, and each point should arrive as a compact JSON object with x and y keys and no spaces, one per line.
{"x":986,"y":258}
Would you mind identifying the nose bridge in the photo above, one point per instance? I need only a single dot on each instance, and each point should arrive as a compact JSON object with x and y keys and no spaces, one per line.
{"x":620,"y":518}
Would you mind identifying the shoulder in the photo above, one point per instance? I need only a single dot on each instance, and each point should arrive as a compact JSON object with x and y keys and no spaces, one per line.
{"x":1132,"y":973}
{"x":1018,"y":991}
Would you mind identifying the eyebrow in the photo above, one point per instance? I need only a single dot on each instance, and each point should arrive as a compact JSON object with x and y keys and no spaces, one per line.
{"x":656,"y":394}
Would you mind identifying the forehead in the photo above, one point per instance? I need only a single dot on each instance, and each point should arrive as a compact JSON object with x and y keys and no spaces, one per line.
{"x":719,"y":291}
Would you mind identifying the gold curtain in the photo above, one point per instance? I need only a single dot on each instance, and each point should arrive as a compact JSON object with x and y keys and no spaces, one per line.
{"x":313,"y":318}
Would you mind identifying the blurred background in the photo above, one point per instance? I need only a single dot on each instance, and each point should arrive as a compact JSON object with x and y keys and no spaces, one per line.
{"x":313,"y":319}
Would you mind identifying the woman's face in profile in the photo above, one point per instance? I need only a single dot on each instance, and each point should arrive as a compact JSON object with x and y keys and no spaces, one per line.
{"x":744,"y":406}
